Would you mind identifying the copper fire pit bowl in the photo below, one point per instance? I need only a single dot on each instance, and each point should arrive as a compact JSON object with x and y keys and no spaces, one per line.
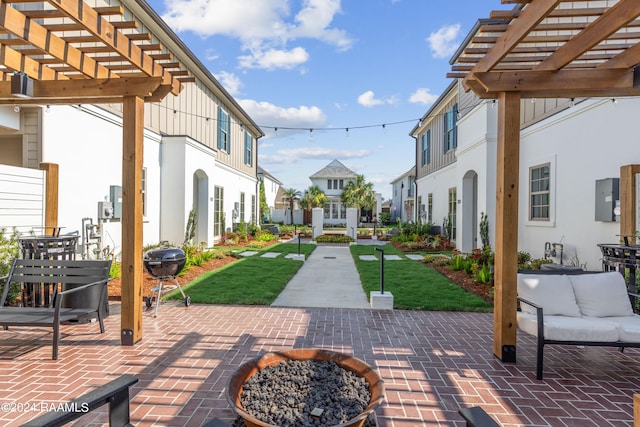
{"x":357,"y":366}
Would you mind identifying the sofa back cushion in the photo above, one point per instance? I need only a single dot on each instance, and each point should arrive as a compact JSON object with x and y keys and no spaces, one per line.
{"x":553,"y":293}
{"x":602,"y":294}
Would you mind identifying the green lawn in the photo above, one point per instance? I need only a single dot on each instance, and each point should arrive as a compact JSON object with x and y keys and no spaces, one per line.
{"x":413,"y":284}
{"x":258,"y":281}
{"x":250,"y":281}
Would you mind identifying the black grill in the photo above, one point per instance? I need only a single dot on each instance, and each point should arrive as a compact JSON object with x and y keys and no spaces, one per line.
{"x":164,"y":262}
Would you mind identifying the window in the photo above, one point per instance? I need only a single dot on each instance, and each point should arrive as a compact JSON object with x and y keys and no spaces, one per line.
{"x":144,"y":191}
{"x":248,"y":149}
{"x":539,"y":192}
{"x":430,"y":208}
{"x":450,"y":133}
{"x":327,"y":210}
{"x":453,"y":208}
{"x":341,"y":182}
{"x":426,"y":148}
{"x":241,"y":207}
{"x":224,"y":135}
{"x":334,"y":210}
{"x":329,"y":184}
{"x":343,"y":211}
{"x":218,"y":211}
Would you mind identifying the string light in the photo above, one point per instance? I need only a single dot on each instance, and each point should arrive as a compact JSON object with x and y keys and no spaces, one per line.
{"x":347,"y":129}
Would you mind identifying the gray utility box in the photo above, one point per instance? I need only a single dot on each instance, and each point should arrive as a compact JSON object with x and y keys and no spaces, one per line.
{"x":115,"y":196}
{"x":607,"y":197}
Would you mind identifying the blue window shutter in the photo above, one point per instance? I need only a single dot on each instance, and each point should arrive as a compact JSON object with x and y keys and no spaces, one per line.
{"x":228,"y":123}
{"x":220,"y":132}
{"x":428,"y":146}
{"x":444,"y":142}
{"x":454,"y":111}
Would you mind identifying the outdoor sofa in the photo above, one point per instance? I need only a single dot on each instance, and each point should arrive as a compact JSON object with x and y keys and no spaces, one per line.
{"x":590,"y":309}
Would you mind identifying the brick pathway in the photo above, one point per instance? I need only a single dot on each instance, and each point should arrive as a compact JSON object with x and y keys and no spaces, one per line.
{"x":432,"y":364}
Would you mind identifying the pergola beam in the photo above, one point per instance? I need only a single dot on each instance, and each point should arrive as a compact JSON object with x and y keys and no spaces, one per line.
{"x":106,"y":33}
{"x":611,"y":21}
{"x":516,"y":32}
{"x":35,"y":34}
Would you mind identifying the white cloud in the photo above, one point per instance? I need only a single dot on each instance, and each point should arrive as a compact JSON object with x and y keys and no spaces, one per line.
{"x":265,"y":27}
{"x":229,"y":81}
{"x":444,"y":42}
{"x":368,"y":99}
{"x":272,"y":59}
{"x":423,"y":96}
{"x":266,"y":114}
{"x":294,"y":155}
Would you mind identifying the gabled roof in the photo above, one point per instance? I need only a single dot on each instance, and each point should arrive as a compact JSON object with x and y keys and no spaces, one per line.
{"x":266,"y":174}
{"x":335,"y":169}
{"x":410,"y":172}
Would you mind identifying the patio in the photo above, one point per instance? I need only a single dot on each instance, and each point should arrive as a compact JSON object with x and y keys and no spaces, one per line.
{"x":432,"y":363}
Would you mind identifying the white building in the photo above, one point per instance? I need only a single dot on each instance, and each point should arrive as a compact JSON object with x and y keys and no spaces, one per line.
{"x":272,"y":190}
{"x":403,"y":197}
{"x":332,"y":180}
{"x":571,"y":152}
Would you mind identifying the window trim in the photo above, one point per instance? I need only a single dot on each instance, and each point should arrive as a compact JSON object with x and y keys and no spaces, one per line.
{"x":526,"y":187}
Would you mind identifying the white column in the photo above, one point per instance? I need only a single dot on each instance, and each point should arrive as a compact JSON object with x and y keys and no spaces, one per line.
{"x":352,"y":223}
{"x":317,"y":221}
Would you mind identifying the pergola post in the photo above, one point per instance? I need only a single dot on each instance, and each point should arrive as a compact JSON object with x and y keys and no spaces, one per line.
{"x":51,"y":194}
{"x":628,"y":200}
{"x":132,"y":273}
{"x":506,"y":240}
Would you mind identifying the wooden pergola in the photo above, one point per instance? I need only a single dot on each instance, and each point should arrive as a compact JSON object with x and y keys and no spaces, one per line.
{"x":67,"y":52}
{"x":544,"y":49}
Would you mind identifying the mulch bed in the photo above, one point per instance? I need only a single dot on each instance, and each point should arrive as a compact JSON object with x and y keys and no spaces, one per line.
{"x":462,"y":279}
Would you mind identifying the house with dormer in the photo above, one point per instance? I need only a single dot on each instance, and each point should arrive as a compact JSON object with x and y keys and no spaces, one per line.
{"x":331,"y":180}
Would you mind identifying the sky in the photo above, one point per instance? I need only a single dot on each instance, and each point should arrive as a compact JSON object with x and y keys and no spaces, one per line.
{"x":320,"y":67}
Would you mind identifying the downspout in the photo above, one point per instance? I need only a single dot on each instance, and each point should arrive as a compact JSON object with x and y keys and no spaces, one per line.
{"x":256,"y":209}
{"x":416,"y":207}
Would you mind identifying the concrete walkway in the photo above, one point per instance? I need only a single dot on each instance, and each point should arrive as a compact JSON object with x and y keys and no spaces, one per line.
{"x":327,"y":279}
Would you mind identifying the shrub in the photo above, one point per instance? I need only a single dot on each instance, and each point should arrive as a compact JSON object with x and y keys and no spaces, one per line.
{"x":334,"y":238}
{"x":457,"y":263}
{"x":265,"y":236}
{"x":468,"y":266}
{"x":484,"y":274}
{"x":437,"y":259}
{"x":9,"y":249}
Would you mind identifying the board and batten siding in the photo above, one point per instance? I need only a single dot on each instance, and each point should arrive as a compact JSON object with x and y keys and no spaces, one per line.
{"x":22,"y":198}
{"x":434,"y":123}
{"x":194,"y":113}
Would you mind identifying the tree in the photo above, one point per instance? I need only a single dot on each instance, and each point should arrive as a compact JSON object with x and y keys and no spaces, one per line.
{"x":290,"y":196}
{"x":359,"y":194}
{"x":313,"y":197}
{"x":264,"y":207}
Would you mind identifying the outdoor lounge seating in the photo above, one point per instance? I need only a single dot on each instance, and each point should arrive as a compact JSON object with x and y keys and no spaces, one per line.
{"x":591,"y":308}
{"x":83,"y":293}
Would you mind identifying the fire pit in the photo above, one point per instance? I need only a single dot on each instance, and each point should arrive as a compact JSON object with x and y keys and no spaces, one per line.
{"x":347,"y":363}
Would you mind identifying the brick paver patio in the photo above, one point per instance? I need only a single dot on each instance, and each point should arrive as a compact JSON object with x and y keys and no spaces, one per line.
{"x":432,"y":363}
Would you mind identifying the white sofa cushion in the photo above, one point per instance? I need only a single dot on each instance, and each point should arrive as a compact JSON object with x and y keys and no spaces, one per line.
{"x":601,"y":294}
{"x":553,"y":293}
{"x":628,"y":327}
{"x":565,"y":328}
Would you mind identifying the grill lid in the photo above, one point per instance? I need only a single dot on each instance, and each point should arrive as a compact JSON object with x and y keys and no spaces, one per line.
{"x":165,"y":254}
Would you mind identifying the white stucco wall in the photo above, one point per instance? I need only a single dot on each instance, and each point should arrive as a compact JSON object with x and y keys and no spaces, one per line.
{"x":89,"y":155}
{"x":587,"y":142}
{"x":476,"y":153}
{"x":438,"y":183}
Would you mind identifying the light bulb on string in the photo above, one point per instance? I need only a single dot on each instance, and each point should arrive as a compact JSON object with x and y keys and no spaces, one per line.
{"x":347,"y":132}
{"x":384,"y":129}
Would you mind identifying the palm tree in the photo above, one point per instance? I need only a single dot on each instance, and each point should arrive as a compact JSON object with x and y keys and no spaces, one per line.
{"x":359,"y":194}
{"x":313,"y":197}
{"x":290,"y":196}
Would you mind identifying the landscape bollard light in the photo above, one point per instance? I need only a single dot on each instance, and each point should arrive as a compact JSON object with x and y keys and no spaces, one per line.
{"x":381,"y":270}
{"x":298,"y":244}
